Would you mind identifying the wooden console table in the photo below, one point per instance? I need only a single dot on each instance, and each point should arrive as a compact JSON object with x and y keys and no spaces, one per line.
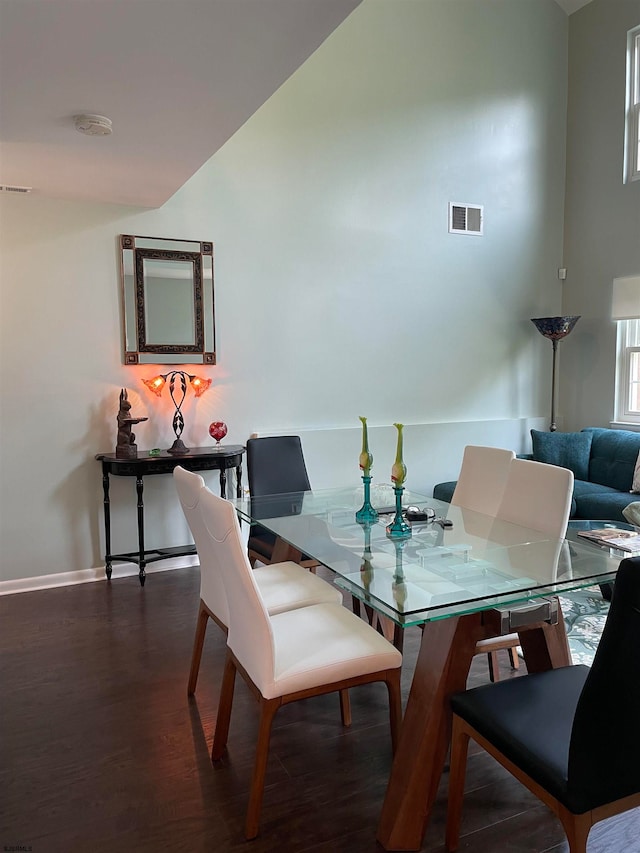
{"x":198,"y":459}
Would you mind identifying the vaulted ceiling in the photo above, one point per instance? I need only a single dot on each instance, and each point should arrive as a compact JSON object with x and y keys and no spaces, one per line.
{"x":177,"y":78}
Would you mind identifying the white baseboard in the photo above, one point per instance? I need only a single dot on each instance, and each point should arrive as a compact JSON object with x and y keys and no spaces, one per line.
{"x":120,"y":570}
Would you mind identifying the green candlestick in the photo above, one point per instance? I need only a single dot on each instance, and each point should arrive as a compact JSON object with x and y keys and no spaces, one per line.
{"x":398,"y":469}
{"x":366,"y":459}
{"x":366,"y":569}
{"x":399,"y":527}
{"x":367,"y":514}
{"x":399,"y":587}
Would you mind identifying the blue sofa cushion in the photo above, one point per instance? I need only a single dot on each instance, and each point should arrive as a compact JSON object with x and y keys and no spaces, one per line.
{"x":613,"y":457}
{"x":594,"y":501}
{"x":567,"y":449}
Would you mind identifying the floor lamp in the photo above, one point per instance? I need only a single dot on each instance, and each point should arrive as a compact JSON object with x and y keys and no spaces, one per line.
{"x":554,"y":328}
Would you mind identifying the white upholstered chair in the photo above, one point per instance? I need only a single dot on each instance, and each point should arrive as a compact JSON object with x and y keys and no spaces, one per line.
{"x":537,"y":496}
{"x":480,"y":485}
{"x":282,"y":586}
{"x":286,"y":656}
{"x":482,"y":478}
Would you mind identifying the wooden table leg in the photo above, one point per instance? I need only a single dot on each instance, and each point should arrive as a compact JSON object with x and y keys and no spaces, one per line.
{"x":442,"y":667}
{"x":445,"y":656}
{"x":282,"y":551}
{"x":546,"y":646}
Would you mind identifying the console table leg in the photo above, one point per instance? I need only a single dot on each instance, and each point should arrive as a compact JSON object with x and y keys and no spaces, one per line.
{"x":107,"y":522}
{"x":239,"y":480}
{"x":139,"y":489}
{"x":223,"y":483}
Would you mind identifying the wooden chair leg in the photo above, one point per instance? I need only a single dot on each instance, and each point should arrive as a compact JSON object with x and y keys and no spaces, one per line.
{"x":391,"y":631}
{"x":577,"y":828}
{"x":458,"y":767}
{"x":345,"y":708}
{"x":268,"y":708}
{"x":398,"y":637}
{"x":395,"y":705}
{"x":513,"y":658}
{"x":223,"y":716}
{"x":386,"y":627}
{"x":494,"y":666}
{"x":198,"y":643}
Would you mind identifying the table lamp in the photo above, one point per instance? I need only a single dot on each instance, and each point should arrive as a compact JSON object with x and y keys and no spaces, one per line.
{"x":199,"y":386}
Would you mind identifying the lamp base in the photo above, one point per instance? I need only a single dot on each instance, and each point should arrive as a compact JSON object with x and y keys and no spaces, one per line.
{"x":178,"y":448}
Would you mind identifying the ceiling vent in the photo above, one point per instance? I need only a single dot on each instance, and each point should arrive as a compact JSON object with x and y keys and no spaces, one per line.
{"x":466,"y":218}
{"x":5,"y":188}
{"x":93,"y":125}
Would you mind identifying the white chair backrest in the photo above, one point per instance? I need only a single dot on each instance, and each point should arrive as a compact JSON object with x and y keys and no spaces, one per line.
{"x":190,"y":487}
{"x":482,"y":479}
{"x":538,"y":496}
{"x":250,"y":636}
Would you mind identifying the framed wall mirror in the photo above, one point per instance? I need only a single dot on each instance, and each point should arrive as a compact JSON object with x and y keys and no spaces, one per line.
{"x":167,"y":301}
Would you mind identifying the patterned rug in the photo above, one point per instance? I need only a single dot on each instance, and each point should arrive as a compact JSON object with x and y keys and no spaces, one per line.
{"x":585,"y":612}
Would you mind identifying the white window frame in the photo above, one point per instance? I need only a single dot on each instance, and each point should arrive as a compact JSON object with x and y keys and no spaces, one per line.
{"x":632,"y":124}
{"x":626,"y":382}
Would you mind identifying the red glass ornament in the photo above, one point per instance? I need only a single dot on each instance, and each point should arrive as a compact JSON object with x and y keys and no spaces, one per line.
{"x":217,"y":430}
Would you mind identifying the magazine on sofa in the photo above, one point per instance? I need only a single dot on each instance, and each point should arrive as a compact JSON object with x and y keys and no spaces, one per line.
{"x":614,"y":537}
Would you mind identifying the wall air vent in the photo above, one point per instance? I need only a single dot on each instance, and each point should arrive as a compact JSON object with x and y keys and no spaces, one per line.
{"x":5,"y":188}
{"x":466,"y":218}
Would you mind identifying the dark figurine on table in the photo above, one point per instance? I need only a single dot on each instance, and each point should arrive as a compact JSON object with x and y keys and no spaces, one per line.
{"x":125,"y":446}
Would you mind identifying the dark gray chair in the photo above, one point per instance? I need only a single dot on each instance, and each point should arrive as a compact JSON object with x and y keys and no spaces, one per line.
{"x":550,"y":729}
{"x":275,"y":466}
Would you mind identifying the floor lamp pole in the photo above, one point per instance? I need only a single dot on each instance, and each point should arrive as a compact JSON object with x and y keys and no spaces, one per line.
{"x":554,"y":328}
{"x":552,"y":426}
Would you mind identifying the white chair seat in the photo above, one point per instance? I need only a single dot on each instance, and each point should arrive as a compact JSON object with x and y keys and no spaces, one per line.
{"x":337,"y":645}
{"x":284,"y":586}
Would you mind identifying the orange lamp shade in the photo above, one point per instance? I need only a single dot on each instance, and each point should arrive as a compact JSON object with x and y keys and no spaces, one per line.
{"x":200,"y":385}
{"x":156,"y":384}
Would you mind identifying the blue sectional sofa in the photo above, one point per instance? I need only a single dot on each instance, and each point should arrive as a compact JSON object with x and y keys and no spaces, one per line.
{"x":603,"y":463}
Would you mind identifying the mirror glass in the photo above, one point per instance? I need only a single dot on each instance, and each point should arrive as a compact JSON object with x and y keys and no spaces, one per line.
{"x":167,"y":299}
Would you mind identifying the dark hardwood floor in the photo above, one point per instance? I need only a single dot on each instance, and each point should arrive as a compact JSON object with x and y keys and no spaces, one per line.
{"x":101,"y":750}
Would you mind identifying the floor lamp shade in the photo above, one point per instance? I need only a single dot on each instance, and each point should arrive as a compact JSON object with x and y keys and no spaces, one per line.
{"x":554,"y":328}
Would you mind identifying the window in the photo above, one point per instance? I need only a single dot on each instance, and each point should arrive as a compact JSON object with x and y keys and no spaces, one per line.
{"x":625,"y":309}
{"x":632,"y":141}
{"x":628,"y":372}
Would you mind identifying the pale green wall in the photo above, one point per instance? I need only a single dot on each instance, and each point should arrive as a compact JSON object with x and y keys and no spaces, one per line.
{"x":602,"y":217}
{"x":339,"y":291}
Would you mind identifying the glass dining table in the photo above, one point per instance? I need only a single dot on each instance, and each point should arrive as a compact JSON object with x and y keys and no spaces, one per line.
{"x":464,"y":579}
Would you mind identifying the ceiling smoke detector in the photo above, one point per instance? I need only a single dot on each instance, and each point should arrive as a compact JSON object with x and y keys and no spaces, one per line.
{"x":93,"y":125}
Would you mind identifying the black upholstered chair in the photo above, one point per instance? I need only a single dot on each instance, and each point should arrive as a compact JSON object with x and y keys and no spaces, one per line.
{"x":275,"y":466}
{"x":548,"y":729}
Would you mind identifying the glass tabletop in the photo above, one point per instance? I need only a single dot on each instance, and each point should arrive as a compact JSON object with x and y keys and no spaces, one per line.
{"x":478,"y":563}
